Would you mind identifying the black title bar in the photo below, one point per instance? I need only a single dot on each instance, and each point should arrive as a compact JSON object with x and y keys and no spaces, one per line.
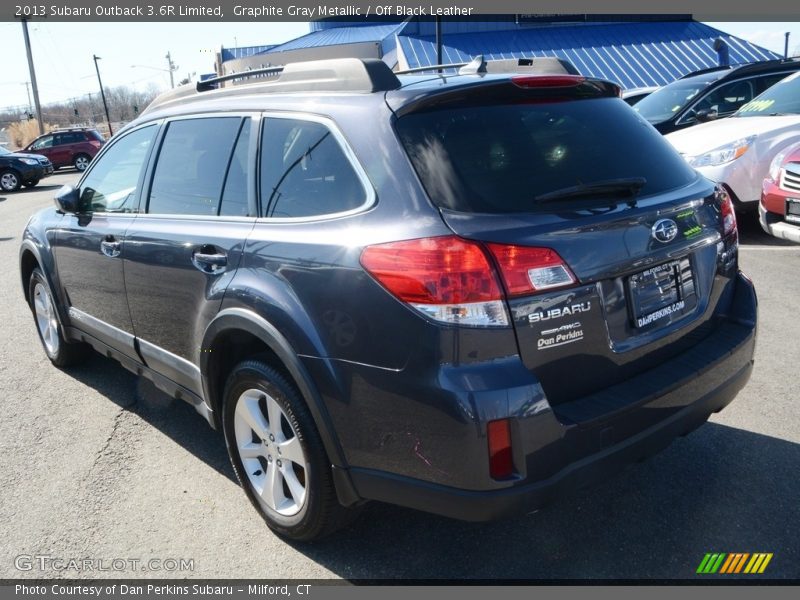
{"x":354,"y":10}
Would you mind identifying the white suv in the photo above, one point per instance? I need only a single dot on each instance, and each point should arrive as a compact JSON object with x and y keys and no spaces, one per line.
{"x":737,"y":151}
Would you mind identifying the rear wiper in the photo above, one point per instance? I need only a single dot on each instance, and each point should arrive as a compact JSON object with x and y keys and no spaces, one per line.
{"x":616,"y":188}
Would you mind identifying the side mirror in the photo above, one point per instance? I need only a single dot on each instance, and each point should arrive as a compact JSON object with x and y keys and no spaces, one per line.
{"x":67,"y":199}
{"x":706,"y":114}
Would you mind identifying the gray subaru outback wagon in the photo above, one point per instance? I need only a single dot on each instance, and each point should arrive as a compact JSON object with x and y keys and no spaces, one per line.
{"x":460,"y":292}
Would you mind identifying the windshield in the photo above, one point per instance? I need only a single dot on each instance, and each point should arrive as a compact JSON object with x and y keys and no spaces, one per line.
{"x":783,"y":98}
{"x":4,"y":151}
{"x":530,"y":157}
{"x":669,"y":100}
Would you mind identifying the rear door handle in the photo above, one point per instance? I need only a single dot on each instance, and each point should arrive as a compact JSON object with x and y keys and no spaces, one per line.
{"x":210,"y":260}
{"x":110,"y":246}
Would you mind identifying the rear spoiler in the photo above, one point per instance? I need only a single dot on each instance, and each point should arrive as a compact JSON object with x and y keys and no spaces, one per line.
{"x":503,"y":90}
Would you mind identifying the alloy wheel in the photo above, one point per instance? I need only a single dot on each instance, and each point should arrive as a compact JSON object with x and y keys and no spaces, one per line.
{"x":9,"y":182}
{"x":46,"y":319}
{"x":271,"y":453}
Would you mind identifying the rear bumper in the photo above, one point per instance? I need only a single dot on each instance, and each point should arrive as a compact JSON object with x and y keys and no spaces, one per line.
{"x":672,"y":400}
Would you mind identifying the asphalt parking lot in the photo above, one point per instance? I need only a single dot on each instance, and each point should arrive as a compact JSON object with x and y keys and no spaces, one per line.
{"x":96,"y":463}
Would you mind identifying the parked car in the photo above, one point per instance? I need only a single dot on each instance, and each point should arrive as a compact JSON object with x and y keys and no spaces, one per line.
{"x":711,"y":94}
{"x":634,"y":95}
{"x":779,"y":210}
{"x":737,"y":151}
{"x":18,"y":169}
{"x":68,"y":147}
{"x":427,"y":311}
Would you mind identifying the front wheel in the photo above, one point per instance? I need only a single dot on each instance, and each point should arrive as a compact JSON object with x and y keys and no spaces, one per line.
{"x":277,"y":454}
{"x":9,"y":181}
{"x":60,"y":352}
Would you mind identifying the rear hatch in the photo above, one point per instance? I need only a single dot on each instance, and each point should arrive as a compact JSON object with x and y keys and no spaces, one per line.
{"x":639,"y":243}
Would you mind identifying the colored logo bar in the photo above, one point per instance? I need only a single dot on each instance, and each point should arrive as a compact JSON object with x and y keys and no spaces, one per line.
{"x":741,"y":562}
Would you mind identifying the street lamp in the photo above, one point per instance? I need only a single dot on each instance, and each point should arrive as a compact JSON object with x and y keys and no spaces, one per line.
{"x":172,"y":68}
{"x":102,"y":93}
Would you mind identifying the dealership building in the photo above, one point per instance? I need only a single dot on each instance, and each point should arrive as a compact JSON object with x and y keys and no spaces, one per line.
{"x":632,"y":50}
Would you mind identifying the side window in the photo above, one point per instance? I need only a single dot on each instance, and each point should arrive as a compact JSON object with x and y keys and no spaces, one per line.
{"x":62,"y":139}
{"x":111,"y":184}
{"x":191,"y":166}
{"x":305,"y":172}
{"x":727,"y":99}
{"x":766,"y":82}
{"x":234,"y":196}
{"x":45,"y":142}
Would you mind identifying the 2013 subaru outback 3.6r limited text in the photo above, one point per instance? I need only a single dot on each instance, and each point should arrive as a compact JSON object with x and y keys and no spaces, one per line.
{"x":463,"y":294}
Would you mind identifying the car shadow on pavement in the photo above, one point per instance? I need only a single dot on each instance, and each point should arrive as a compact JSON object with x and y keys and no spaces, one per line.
{"x":720,"y":489}
{"x":174,"y":418}
{"x":38,"y":188}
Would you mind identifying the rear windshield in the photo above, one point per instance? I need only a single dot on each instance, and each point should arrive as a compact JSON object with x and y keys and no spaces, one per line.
{"x":498,"y":159}
{"x":95,"y":135}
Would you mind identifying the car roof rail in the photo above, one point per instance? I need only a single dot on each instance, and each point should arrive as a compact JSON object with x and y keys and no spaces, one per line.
{"x":333,"y":75}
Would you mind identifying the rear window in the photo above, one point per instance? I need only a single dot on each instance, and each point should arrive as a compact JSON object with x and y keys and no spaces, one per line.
{"x":93,"y":134}
{"x":498,"y":159}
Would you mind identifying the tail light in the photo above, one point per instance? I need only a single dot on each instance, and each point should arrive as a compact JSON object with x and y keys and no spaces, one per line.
{"x":545,"y":81}
{"x":527,"y":270}
{"x":726,"y":210}
{"x":446,"y":278}
{"x":501,"y":462}
{"x":452,"y":280}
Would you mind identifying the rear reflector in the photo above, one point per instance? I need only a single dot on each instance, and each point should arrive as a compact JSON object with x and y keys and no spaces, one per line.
{"x":501,"y":464}
{"x":526,"y":270}
{"x":447,"y":278}
{"x":547,"y":81}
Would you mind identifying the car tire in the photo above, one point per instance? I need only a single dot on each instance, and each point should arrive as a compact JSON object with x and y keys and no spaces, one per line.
{"x":10,"y":181}
{"x":60,"y":352}
{"x":282,"y":467}
{"x":32,"y":183}
{"x":81,"y":162}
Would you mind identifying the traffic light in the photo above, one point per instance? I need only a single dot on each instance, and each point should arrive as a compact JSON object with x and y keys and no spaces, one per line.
{"x":76,"y":112}
{"x":30,"y":116}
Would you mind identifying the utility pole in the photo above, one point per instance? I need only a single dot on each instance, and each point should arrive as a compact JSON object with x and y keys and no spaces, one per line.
{"x":102,"y":93}
{"x":786,"y":46}
{"x":33,"y":75}
{"x":27,"y":85}
{"x":172,"y":68}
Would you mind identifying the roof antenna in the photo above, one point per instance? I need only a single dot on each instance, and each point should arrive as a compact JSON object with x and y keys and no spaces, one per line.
{"x":475,"y":66}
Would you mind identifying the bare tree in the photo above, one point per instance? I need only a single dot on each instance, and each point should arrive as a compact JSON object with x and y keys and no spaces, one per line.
{"x":124,"y":104}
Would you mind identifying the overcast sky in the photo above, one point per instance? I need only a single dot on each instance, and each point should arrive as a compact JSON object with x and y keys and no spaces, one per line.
{"x":63,"y":51}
